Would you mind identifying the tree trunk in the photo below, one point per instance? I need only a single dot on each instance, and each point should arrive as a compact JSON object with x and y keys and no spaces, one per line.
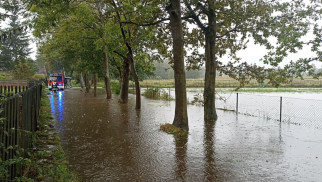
{"x":125,"y":82}
{"x":87,"y":83}
{"x":95,"y":83}
{"x":82,"y":83}
{"x":107,"y":77}
{"x":181,"y":116}
{"x":210,"y":114}
{"x":136,"y":81}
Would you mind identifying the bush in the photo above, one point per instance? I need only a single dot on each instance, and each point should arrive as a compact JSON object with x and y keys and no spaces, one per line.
{"x":39,"y":76}
{"x":157,"y":93}
{"x":115,"y":87}
{"x":3,"y":75}
{"x":22,"y":71}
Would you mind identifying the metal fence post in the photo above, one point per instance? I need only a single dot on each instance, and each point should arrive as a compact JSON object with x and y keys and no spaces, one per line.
{"x":237,"y":103}
{"x":281,"y":99}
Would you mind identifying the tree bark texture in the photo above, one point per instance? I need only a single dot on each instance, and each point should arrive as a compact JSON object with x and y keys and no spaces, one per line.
{"x":82,"y":83}
{"x":95,"y":83}
{"x":87,"y":83}
{"x":136,"y":81}
{"x":107,"y":77}
{"x":210,"y":114}
{"x":181,"y":116}
{"x":124,"y":95}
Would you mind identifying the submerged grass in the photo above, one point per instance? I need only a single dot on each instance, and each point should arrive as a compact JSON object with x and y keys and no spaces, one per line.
{"x":157,"y":93}
{"x":178,"y":133}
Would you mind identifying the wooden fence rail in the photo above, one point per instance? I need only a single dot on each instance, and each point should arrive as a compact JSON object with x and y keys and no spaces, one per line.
{"x":19,"y":111}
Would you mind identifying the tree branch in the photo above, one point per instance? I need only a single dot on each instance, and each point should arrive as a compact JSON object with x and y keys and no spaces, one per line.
{"x":229,"y":31}
{"x":195,"y":17}
{"x":148,"y":24}
{"x":119,"y":54}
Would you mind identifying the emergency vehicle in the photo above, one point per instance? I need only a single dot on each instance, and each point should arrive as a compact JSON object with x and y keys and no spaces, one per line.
{"x":59,"y":79}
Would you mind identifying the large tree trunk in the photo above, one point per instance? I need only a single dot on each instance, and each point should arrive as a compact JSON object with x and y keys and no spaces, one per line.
{"x":107,"y":77}
{"x":125,"y":82}
{"x":136,"y":80}
{"x":181,"y":116}
{"x":82,"y":83}
{"x":95,"y":83}
{"x":210,"y":114}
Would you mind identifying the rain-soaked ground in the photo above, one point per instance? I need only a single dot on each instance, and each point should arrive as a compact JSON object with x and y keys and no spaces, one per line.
{"x":108,"y":141}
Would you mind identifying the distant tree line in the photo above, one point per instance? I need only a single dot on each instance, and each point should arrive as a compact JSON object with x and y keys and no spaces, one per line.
{"x":164,"y":71}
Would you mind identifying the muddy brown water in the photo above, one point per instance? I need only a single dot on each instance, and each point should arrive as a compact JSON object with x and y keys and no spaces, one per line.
{"x":108,"y":141}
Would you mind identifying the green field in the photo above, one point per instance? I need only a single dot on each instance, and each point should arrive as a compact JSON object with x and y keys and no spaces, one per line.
{"x":226,"y":82}
{"x":308,"y":84}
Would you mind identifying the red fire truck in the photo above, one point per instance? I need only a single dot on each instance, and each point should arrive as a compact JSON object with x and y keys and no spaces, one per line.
{"x":57,"y":79}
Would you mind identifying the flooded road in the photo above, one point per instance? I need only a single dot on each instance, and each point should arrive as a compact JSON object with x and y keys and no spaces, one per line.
{"x":108,"y":141}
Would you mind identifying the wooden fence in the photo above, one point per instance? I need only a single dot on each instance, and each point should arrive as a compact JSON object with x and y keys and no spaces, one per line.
{"x":19,"y":110}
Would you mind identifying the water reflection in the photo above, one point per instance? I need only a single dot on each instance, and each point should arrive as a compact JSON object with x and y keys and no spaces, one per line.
{"x":181,"y":155}
{"x":209,"y":151}
{"x":57,"y":102}
{"x":60,"y":106}
{"x":52,"y":103}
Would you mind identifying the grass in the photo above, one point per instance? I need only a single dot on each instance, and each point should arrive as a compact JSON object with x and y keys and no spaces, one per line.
{"x":308,"y":84}
{"x":226,"y":82}
{"x":178,"y":133}
{"x":50,"y":163}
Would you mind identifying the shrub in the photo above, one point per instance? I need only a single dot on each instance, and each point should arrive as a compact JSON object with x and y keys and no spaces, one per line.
{"x":157,"y":93}
{"x":39,"y":76}
{"x":115,"y":87}
{"x":3,"y":75}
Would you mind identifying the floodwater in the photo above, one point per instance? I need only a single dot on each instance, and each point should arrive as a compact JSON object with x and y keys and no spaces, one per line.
{"x":108,"y":141}
{"x":303,"y":108}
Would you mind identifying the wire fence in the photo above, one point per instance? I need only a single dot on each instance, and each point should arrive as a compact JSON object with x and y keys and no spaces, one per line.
{"x":306,"y":112}
{"x":297,"y":111}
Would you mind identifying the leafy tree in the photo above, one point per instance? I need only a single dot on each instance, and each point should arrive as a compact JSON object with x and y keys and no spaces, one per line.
{"x":101,"y":19}
{"x":225,"y":27}
{"x":16,"y":44}
{"x":23,"y":70}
